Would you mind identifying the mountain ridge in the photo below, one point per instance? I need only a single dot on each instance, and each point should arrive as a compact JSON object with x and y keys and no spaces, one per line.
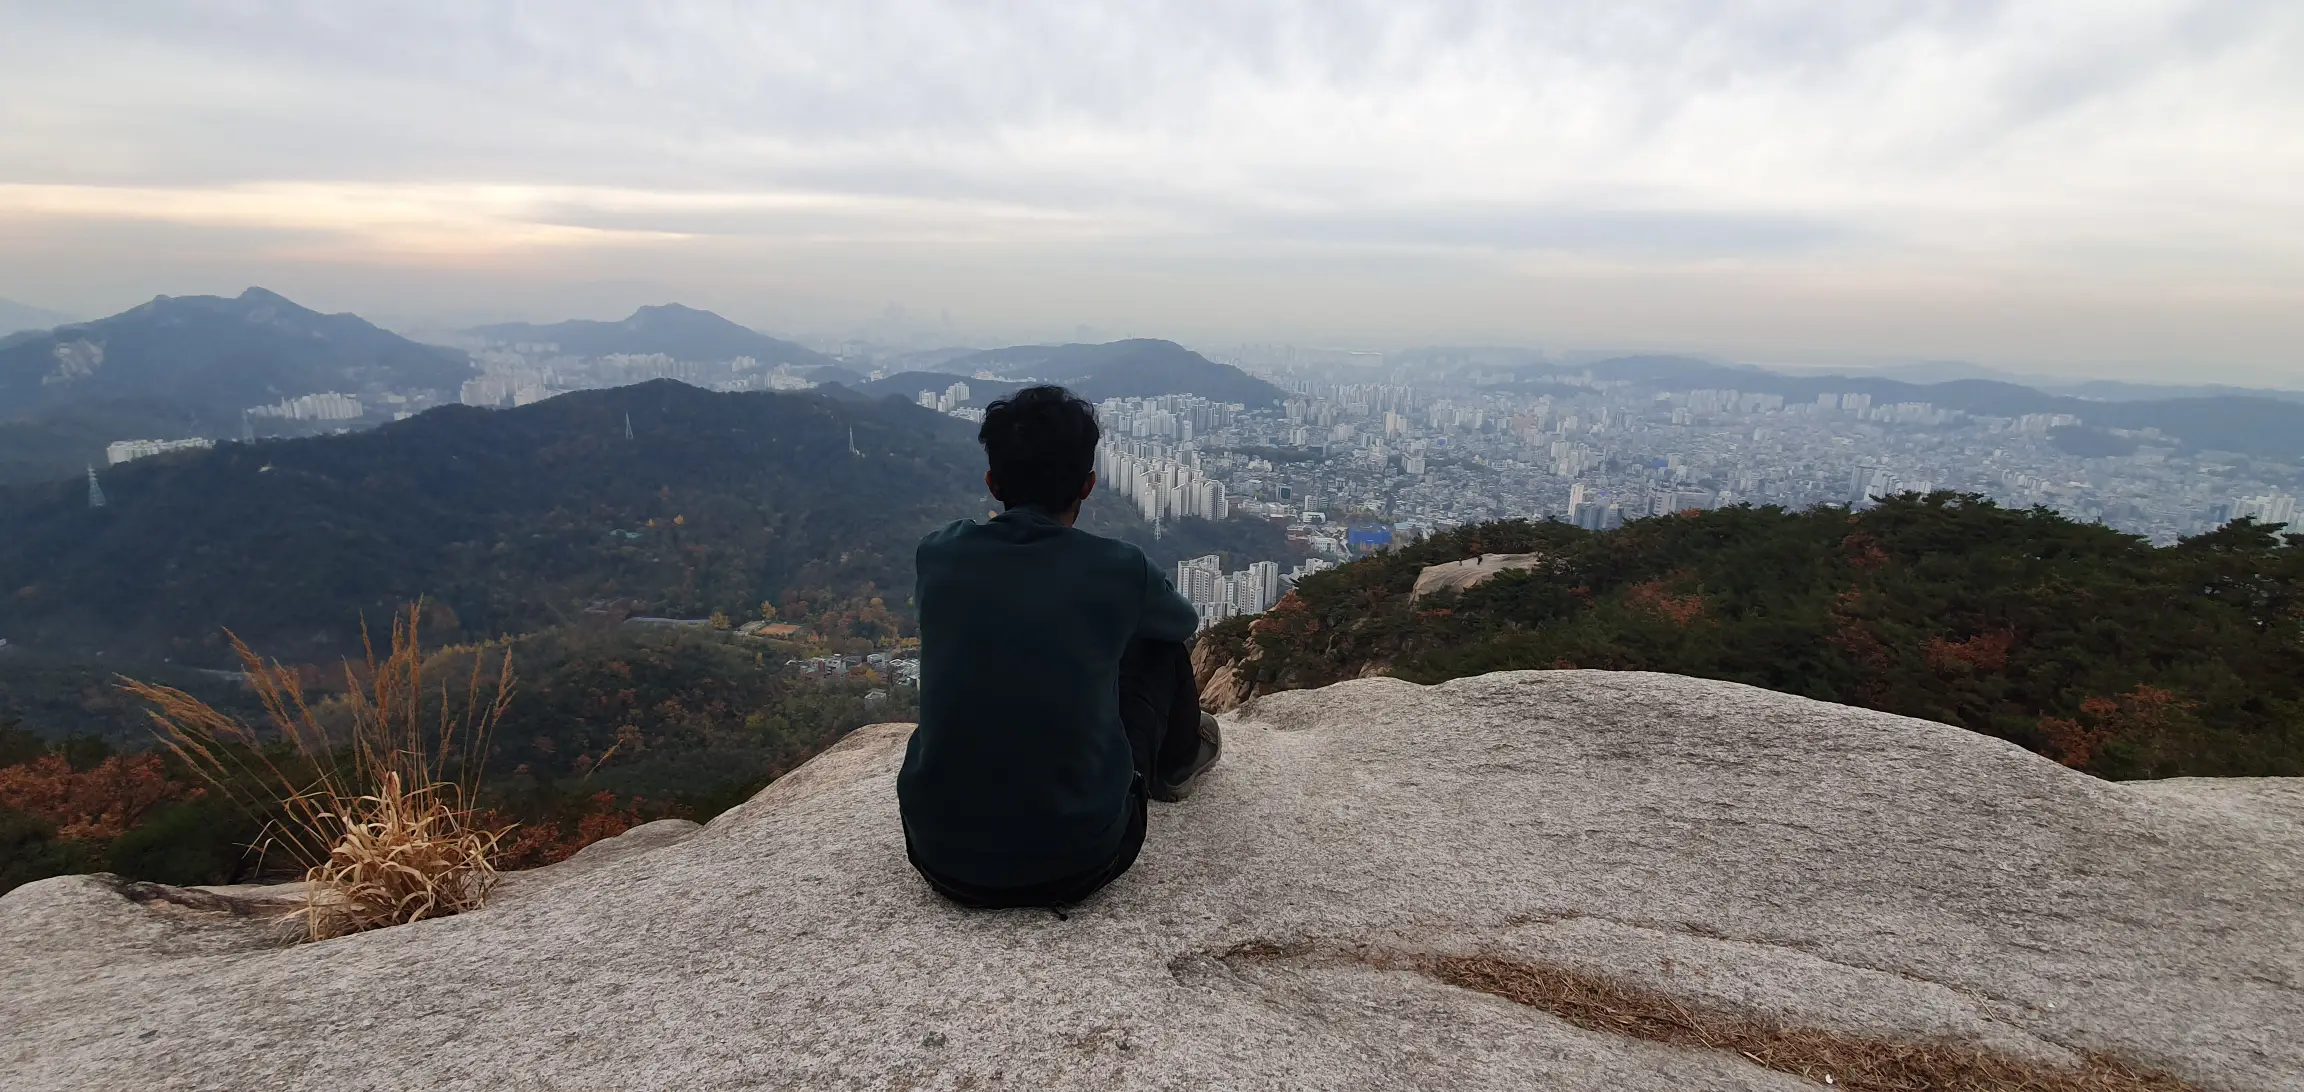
{"x":2245,"y":424}
{"x":910,"y":384}
{"x":682,"y":332}
{"x":219,"y":354}
{"x":1133,"y":368}
{"x":2095,"y":390}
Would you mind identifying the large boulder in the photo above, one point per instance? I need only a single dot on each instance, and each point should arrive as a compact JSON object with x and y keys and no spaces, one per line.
{"x":1523,"y":880}
{"x":1468,"y":573}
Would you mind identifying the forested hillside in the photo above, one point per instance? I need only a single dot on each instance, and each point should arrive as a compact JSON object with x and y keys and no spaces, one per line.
{"x":2084,"y":644}
{"x":511,"y":521}
{"x":64,"y":441}
{"x":216,"y":354}
{"x":508,"y":521}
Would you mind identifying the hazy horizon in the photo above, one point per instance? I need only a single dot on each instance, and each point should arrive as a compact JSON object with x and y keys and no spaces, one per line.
{"x":2088,"y":190}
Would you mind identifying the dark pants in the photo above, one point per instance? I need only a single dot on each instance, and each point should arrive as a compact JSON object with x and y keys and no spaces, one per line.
{"x":1160,"y":709}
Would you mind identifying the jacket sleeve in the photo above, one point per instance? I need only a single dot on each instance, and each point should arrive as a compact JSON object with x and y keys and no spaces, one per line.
{"x":1167,"y":615}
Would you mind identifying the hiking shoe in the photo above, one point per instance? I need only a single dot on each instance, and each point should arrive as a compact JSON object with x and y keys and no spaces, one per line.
{"x":1171,"y":790}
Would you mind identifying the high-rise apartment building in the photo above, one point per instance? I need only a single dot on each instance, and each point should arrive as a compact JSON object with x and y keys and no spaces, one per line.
{"x":1591,"y":511}
{"x":1197,"y":579}
{"x":1218,"y":595}
{"x":2268,"y":508}
{"x":1867,"y":484}
{"x":1267,"y":577}
{"x":1162,"y":483}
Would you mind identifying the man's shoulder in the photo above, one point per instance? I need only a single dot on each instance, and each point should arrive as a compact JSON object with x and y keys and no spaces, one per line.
{"x":947,"y":533}
{"x":1121,"y":552}
{"x":962,"y":538}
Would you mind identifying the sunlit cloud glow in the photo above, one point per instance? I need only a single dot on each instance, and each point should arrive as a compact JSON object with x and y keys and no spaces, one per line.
{"x":2111,"y":184}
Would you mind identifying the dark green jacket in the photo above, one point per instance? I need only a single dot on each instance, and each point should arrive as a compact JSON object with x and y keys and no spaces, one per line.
{"x":1020,"y":772}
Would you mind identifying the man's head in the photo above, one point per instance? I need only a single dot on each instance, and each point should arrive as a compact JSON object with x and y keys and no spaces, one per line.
{"x":1041,"y":446}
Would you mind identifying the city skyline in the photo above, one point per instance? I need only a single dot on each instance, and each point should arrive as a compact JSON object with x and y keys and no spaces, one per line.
{"x":1349,"y":467}
{"x":1345,"y":448}
{"x":2076,"y":190}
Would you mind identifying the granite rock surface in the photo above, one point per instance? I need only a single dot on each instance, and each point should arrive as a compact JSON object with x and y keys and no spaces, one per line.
{"x":1468,"y":573}
{"x":1731,"y":848}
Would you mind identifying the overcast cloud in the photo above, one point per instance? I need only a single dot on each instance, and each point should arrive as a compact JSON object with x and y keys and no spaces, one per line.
{"x":2101,"y":187}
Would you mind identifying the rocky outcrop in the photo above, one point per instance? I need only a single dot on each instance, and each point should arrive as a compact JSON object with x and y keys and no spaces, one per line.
{"x":1459,"y":575}
{"x":1523,"y":880}
{"x":1222,"y":689}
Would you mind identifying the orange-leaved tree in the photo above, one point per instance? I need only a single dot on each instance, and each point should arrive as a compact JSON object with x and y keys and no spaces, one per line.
{"x":97,"y":804}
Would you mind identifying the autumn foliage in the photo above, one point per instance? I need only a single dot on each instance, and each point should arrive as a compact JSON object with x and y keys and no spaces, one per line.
{"x":1984,"y":652}
{"x":1654,"y":597}
{"x":2092,"y":647}
{"x":96,"y":804}
{"x":2141,"y":715}
{"x":555,"y":838}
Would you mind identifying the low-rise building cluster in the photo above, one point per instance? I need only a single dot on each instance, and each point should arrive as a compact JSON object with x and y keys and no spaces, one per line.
{"x":120,"y":451}
{"x":891,"y":668}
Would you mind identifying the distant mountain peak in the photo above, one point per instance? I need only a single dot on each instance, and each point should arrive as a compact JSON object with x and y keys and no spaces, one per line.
{"x":252,"y":300}
{"x":679,"y":316}
{"x":678,"y":309}
{"x":674,"y":329}
{"x":1134,"y":367}
{"x":219,"y":355}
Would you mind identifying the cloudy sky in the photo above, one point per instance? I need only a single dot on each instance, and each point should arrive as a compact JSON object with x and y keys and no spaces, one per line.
{"x":2095,"y":187}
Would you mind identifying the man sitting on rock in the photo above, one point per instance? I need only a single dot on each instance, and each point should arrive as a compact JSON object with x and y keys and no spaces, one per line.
{"x":1056,"y":692}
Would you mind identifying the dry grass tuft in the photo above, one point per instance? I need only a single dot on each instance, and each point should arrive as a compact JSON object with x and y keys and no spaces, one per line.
{"x":403,"y":855}
{"x":1859,"y":1063}
{"x":378,"y":812}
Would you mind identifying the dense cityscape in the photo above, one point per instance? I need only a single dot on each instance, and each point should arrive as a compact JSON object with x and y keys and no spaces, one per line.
{"x":1369,"y":447}
{"x":1350,"y":466}
{"x":1366,"y":449}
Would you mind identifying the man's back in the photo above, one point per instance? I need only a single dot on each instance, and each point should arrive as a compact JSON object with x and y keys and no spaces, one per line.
{"x":1020,"y":770}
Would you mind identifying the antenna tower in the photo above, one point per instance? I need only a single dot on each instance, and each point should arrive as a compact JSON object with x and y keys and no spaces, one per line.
{"x":95,"y":491}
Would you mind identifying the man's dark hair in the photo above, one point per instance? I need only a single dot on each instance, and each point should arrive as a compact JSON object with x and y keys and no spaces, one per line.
{"x":1041,"y":446}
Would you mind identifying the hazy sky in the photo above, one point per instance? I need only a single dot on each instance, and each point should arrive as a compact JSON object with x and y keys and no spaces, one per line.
{"x":2094,"y":187}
